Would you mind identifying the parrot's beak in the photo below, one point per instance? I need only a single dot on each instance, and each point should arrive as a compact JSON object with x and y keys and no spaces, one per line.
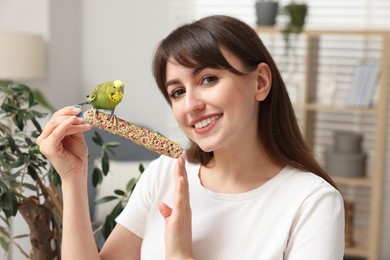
{"x":121,"y":88}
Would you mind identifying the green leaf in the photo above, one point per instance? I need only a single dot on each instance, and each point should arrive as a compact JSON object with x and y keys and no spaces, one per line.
{"x":3,"y":187}
{"x":21,"y":88}
{"x":32,"y":171}
{"x":131,"y":184}
{"x":19,"y":121}
{"x":105,"y":199}
{"x":11,"y":143}
{"x":97,"y":139}
{"x":112,"y":144}
{"x":4,"y":244}
{"x":105,"y":163}
{"x":8,"y":108}
{"x":30,"y":186}
{"x":119,"y":192}
{"x":21,"y":236}
{"x":36,"y":124}
{"x":17,"y":163}
{"x":141,"y":168}
{"x":8,"y":203}
{"x":31,"y":100}
{"x":56,"y":179}
{"x":109,"y":222}
{"x":97,"y":176}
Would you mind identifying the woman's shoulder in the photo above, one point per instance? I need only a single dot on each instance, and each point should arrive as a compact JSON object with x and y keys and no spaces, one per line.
{"x":306,"y":182}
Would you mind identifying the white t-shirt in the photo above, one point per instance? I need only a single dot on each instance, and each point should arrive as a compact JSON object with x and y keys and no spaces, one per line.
{"x":296,"y":216}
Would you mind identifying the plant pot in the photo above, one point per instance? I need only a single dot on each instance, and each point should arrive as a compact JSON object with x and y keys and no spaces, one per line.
{"x":345,"y":164}
{"x":266,"y":13}
{"x":348,"y":142}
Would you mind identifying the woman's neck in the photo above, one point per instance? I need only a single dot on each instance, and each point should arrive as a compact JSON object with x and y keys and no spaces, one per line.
{"x":238,"y":171}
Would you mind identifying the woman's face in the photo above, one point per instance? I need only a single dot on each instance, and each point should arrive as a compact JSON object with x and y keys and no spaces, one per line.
{"x":215,"y":108}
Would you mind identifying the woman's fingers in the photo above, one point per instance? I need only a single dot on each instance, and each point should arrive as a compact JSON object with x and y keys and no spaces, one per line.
{"x":182,"y":197}
{"x":57,"y":118}
{"x":178,"y":223}
{"x":165,"y":210}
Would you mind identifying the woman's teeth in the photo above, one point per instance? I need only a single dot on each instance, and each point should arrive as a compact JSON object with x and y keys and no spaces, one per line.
{"x":206,"y":122}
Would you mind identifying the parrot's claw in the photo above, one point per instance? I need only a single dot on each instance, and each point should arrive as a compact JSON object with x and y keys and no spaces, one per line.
{"x":112,"y":118}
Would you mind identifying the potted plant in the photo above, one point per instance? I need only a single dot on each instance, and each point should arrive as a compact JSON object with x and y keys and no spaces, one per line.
{"x":29,"y":185}
{"x":295,"y":14}
{"x":266,"y":11}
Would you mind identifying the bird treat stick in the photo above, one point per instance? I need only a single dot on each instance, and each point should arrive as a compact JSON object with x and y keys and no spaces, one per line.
{"x":142,"y":136}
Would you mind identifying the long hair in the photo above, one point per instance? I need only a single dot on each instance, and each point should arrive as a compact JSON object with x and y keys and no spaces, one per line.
{"x":198,"y":45}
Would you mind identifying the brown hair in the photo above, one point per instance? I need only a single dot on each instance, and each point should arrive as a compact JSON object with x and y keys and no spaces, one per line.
{"x":198,"y":45}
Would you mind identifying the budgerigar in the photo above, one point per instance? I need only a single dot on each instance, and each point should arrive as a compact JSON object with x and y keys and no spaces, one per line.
{"x":106,"y":96}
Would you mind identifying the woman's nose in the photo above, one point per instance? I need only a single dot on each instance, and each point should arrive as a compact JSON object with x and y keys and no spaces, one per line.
{"x":194,"y":102}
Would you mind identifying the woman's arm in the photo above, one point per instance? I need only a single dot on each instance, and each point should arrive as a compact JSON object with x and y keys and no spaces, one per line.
{"x":62,"y":142}
{"x":121,"y":244}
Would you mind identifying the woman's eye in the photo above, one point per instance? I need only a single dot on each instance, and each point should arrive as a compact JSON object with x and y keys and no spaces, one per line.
{"x":177,"y":93}
{"x":209,"y":80}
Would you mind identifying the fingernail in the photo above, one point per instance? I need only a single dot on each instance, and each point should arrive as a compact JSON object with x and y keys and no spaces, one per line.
{"x":76,"y":109}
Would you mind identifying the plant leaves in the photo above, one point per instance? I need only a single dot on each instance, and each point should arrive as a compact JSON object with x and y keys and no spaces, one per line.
{"x":21,"y":236}
{"x":105,"y":163}
{"x":109,"y":222}
{"x":97,"y":176}
{"x":32,"y":171}
{"x":97,"y":139}
{"x":4,"y":244}
{"x":3,"y":187}
{"x":20,"y":88}
{"x":105,"y":199}
{"x":8,"y":203}
{"x":112,"y":144}
{"x":141,"y":168}
{"x":30,"y":186}
{"x":120,"y":192}
{"x":131,"y":184}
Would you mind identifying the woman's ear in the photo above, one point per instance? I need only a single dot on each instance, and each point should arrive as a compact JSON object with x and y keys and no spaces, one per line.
{"x":264,"y":81}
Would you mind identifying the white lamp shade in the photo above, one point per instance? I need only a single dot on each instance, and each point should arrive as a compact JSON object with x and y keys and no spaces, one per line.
{"x":22,"y":56}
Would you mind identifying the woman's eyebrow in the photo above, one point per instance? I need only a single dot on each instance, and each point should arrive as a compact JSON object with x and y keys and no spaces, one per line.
{"x":195,"y":72}
{"x":171,"y":82}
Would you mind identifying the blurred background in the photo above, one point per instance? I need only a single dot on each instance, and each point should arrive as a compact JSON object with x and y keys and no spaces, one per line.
{"x":79,"y":44}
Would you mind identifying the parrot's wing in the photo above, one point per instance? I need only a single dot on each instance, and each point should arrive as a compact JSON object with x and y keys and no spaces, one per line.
{"x":95,"y":92}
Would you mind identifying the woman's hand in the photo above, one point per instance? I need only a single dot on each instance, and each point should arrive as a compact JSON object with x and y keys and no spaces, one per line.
{"x":178,"y":229}
{"x":62,"y":142}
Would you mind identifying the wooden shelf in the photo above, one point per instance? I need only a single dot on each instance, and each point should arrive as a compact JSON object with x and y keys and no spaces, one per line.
{"x":353,"y":181}
{"x":337,"y":109}
{"x":367,"y":242}
{"x":359,"y":249}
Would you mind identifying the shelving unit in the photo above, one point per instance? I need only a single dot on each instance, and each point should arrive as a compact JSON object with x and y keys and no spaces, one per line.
{"x":309,"y":108}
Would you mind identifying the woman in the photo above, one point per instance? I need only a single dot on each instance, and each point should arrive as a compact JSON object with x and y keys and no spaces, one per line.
{"x":247,"y":188}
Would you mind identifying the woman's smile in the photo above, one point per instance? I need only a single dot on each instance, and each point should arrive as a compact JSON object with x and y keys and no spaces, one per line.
{"x":206,"y":125}
{"x":206,"y":122}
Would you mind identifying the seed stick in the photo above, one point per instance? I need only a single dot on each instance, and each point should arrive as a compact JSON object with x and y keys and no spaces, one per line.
{"x":139,"y":135}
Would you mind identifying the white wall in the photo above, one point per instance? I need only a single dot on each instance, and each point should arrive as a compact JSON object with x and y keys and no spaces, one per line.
{"x":117,"y":42}
{"x":89,"y":42}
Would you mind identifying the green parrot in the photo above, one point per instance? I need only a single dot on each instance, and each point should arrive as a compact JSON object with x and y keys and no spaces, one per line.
{"x":106,"y":96}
